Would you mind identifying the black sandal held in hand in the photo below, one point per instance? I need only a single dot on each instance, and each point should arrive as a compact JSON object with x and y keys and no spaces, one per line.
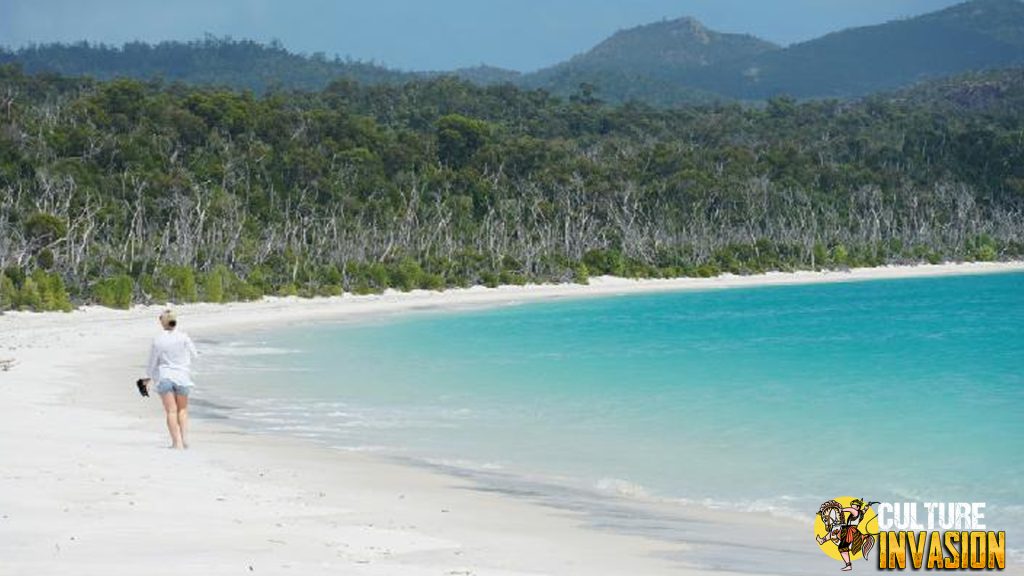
{"x":141,"y":383}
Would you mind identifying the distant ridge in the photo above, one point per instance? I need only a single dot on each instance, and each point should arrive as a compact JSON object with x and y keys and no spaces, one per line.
{"x":242,"y":64}
{"x":977,"y":35}
{"x":667,"y":63}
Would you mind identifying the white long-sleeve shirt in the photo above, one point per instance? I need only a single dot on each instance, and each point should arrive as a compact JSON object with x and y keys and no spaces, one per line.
{"x":171,"y":357}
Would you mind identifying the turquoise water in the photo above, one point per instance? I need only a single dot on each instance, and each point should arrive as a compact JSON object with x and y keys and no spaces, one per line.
{"x":757,"y":399}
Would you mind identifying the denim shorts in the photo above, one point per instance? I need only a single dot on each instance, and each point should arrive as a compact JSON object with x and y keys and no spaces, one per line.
{"x":168,"y":386}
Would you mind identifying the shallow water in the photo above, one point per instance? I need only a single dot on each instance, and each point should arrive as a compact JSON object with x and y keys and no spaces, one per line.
{"x":768,"y":399}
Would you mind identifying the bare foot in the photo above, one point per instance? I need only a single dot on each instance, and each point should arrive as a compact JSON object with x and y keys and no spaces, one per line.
{"x":847,"y":568}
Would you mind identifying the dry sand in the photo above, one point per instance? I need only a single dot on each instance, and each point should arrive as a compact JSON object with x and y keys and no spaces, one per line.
{"x":88,"y":487}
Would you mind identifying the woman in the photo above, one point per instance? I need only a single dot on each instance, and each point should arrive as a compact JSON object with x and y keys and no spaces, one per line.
{"x":170,"y":360}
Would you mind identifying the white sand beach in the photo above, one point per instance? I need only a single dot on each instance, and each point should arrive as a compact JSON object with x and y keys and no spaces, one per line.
{"x":87,"y":485}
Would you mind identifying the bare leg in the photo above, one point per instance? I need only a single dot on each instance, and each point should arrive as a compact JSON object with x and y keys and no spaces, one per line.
{"x":182,"y":404}
{"x":171,"y":413}
{"x":846,"y":558}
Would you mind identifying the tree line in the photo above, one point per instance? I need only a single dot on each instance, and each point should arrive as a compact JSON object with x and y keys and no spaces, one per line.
{"x":239,"y":64}
{"x":124,"y":191}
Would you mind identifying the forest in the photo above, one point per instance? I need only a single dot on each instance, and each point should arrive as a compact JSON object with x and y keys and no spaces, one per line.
{"x":123,"y":191}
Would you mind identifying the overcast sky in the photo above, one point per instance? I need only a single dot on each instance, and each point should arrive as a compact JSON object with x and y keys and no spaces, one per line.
{"x":431,"y":35}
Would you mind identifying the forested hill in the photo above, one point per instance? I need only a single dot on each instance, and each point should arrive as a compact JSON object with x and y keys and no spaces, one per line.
{"x":977,"y":35}
{"x":240,"y":64}
{"x":223,"y":62}
{"x":669,"y":63}
{"x":128,"y":191}
{"x":682,"y":62}
{"x":996,"y":94}
{"x":653,"y":63}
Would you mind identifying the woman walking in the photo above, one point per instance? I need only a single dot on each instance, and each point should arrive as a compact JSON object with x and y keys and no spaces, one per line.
{"x":170,"y":361}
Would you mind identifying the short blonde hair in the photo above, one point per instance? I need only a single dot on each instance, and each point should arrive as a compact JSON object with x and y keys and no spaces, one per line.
{"x":169,"y":317}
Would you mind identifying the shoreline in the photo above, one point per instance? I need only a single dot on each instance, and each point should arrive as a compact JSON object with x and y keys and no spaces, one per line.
{"x":90,"y":491}
{"x":276,"y":309}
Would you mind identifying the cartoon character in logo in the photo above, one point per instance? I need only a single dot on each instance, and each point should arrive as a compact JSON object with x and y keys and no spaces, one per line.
{"x":842,"y":528}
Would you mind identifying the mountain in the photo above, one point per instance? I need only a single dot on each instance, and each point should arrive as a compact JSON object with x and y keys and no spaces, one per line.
{"x":668,"y":63}
{"x":977,"y":35}
{"x":681,"y":61}
{"x":241,"y":64}
{"x":671,"y":45}
{"x":652,"y":63}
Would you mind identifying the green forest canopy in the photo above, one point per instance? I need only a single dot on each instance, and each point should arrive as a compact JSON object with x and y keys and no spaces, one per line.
{"x":126,"y":191}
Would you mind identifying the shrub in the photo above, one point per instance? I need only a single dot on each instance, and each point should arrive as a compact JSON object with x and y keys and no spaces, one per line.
{"x":53,"y":295}
{"x":509,"y":278}
{"x":330,"y":275}
{"x":17,"y":275}
{"x":821,"y":260}
{"x":114,"y":292}
{"x":362,"y":287}
{"x":707,"y":271}
{"x":257,"y":282}
{"x":328,"y":290}
{"x":378,"y":274}
{"x":61,"y":298}
{"x":244,"y":291}
{"x":406,"y":275}
{"x":29,"y":296}
{"x":489,"y":279}
{"x":840,"y":255}
{"x":983,"y":249}
{"x":581,"y":274}
{"x":432,"y":282}
{"x":181,"y":284}
{"x":605,"y":262}
{"x":213,"y":287}
{"x":8,"y":293}
{"x":152,"y":289}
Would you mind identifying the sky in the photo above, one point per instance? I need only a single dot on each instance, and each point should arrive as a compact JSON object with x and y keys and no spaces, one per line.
{"x":431,"y":34}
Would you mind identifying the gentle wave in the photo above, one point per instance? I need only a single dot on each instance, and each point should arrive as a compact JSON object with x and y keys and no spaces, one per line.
{"x":367,"y":449}
{"x":619,"y":487}
{"x":633,"y":490}
{"x":465,"y":464}
{"x":234,"y":349}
